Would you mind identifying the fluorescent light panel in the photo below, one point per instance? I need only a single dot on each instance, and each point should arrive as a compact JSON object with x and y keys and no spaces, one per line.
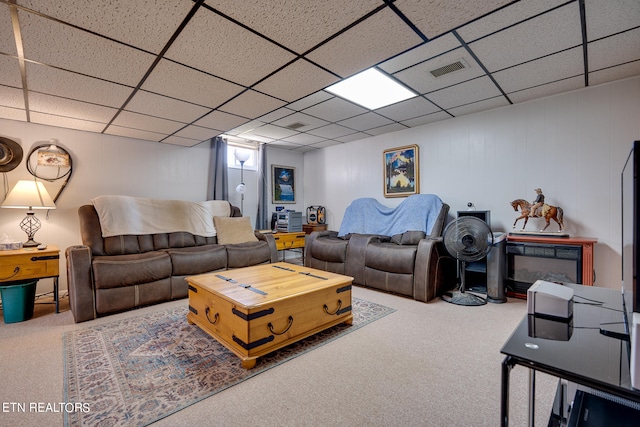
{"x":372,"y":89}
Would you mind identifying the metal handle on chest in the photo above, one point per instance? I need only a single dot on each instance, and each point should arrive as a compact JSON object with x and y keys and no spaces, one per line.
{"x":326,"y":309}
{"x":15,"y":272}
{"x":215,"y":316}
{"x":270,"y":325}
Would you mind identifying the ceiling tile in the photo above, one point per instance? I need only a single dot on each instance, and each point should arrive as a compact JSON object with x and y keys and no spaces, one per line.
{"x":143,"y":122}
{"x":408,"y":109}
{"x":548,"y":89}
{"x":13,"y":113}
{"x":615,"y":50}
{"x":65,"y":122}
{"x":393,"y":127}
{"x":304,"y":139}
{"x":276,"y":115}
{"x":426,"y":119}
{"x":307,"y":121}
{"x":334,"y":109}
{"x":247,"y":127}
{"x":331,"y":131}
{"x":559,"y":66}
{"x":69,"y":108}
{"x":197,"y":132}
{"x":609,"y":17}
{"x":168,"y":108}
{"x":75,"y":86}
{"x":60,"y":45}
{"x":435,"y":17}
{"x":274,"y":132}
{"x":7,"y":39}
{"x":120,"y":19}
{"x":485,"y":104}
{"x":237,"y":55}
{"x":465,"y":93}
{"x":347,"y":138}
{"x":546,"y":34}
{"x":187,"y":84}
{"x":517,"y":12}
{"x":365,"y":121}
{"x":185,"y":142}
{"x":221,"y":120}
{"x":420,"y":79}
{"x":10,"y":75}
{"x":296,"y":81}
{"x":281,"y":20}
{"x":421,"y":53}
{"x":310,"y":100}
{"x":11,"y":97}
{"x":252,"y":104}
{"x":372,"y":41}
{"x":283,"y":144}
{"x":615,"y":73}
{"x":134,"y":133}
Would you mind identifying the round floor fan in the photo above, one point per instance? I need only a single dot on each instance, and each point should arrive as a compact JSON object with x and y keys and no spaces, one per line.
{"x":468,"y":239}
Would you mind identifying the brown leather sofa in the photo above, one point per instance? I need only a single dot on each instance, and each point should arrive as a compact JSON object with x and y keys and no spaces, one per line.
{"x":412,"y":263}
{"x":108,"y":275}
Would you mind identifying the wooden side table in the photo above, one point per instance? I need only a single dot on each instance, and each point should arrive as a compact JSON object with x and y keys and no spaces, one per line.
{"x":310,"y":228}
{"x":31,"y":263}
{"x":286,"y":241}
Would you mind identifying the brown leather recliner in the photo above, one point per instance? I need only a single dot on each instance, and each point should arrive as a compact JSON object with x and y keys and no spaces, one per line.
{"x":412,"y":263}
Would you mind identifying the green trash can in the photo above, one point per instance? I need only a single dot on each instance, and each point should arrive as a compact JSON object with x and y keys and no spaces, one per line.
{"x":18,"y":299}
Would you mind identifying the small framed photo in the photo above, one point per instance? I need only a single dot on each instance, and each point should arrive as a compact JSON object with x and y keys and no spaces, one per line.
{"x":283,"y":184}
{"x":401,"y":177}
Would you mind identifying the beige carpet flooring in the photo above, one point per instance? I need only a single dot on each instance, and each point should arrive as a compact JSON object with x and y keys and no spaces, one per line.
{"x":432,"y":364}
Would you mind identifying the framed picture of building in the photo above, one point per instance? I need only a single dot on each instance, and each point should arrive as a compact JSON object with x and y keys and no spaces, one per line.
{"x":283,"y":184}
{"x":401,"y":177}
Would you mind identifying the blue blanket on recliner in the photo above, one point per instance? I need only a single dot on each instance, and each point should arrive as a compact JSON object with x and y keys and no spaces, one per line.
{"x":368,"y":216}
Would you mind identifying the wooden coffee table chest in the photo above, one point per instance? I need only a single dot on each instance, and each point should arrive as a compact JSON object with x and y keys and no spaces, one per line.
{"x":256,"y":310}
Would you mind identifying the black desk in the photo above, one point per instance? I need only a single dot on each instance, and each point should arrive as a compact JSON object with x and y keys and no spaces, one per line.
{"x":588,"y":357}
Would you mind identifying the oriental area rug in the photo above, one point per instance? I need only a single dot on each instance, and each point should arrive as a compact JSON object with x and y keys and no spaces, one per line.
{"x":136,"y":371}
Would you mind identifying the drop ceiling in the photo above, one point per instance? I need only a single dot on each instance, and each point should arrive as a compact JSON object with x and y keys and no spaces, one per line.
{"x":183,"y":71}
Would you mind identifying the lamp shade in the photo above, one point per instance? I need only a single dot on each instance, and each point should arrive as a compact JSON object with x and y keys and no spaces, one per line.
{"x":28,"y":194}
{"x":241,"y":156}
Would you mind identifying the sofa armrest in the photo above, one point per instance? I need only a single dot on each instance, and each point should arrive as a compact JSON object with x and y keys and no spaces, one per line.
{"x":435,"y":270}
{"x":271,"y":241}
{"x":80,"y":283}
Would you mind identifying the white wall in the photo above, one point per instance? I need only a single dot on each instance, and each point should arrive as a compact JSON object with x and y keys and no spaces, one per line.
{"x":572,"y":146}
{"x":102,"y":164}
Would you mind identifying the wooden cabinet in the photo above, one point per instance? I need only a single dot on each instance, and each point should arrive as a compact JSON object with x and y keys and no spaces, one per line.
{"x":286,"y":241}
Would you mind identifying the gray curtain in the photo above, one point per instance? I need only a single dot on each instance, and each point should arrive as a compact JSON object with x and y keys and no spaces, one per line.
{"x":218,"y":178}
{"x":262,"y":217}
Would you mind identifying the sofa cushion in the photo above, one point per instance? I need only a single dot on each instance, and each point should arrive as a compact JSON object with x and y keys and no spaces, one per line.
{"x":231,"y":230}
{"x":330,"y":249}
{"x":247,"y":254}
{"x":391,"y":257}
{"x":197,"y":259}
{"x":127,"y":270}
{"x":411,"y":237}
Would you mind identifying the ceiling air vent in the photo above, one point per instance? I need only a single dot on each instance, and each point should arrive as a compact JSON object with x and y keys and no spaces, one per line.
{"x":447,"y":69}
{"x":295,"y":126}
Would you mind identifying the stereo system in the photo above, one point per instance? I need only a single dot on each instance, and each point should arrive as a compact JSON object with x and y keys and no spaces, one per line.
{"x":289,"y":221}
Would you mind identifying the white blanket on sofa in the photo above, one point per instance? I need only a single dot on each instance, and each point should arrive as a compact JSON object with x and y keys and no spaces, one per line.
{"x":124,"y":215}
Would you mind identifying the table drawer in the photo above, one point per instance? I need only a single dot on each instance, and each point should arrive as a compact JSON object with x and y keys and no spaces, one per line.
{"x":289,"y":240}
{"x":29,"y":266}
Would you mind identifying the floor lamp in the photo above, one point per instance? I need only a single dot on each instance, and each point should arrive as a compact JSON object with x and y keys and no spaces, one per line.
{"x":241,"y":156}
{"x":29,"y":195}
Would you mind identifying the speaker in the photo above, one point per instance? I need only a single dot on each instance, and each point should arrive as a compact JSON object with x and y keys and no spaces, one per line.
{"x":483,"y":215}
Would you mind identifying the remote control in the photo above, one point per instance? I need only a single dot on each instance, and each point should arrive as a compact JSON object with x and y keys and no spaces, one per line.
{"x":42,"y":247}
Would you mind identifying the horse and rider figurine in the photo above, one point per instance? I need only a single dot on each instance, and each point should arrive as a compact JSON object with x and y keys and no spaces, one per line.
{"x":537,"y":209}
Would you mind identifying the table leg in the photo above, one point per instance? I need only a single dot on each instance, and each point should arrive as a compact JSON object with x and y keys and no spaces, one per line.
{"x":532,"y":396}
{"x":504,"y":401}
{"x":56,"y":297}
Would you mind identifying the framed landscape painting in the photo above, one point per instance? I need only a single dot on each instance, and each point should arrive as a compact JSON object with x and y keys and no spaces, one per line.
{"x":401,"y":177}
{"x":283,"y":184}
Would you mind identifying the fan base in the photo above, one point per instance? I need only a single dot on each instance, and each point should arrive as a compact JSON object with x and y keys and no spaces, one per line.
{"x":463,"y":298}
